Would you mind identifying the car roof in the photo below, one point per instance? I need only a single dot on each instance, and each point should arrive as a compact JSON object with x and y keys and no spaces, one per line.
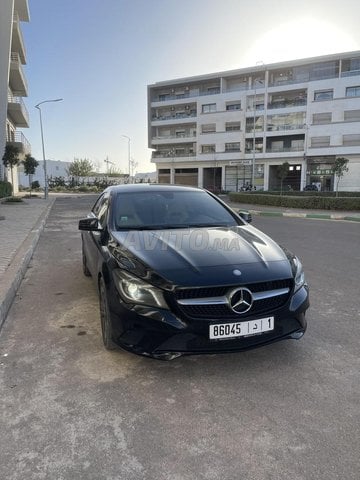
{"x":150,"y":187}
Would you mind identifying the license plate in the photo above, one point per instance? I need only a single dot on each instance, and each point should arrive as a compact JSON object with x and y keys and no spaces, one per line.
{"x":241,"y":329}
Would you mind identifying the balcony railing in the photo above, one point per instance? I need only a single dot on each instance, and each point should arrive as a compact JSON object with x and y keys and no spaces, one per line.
{"x":15,"y":60}
{"x":171,"y":137}
{"x":350,"y":73}
{"x":19,"y":137}
{"x":171,"y":155}
{"x":180,"y":96}
{"x":19,"y":101}
{"x":287,"y":104}
{"x":16,"y":21}
{"x":176,"y":116}
{"x":285,"y":149}
{"x":277,"y":128}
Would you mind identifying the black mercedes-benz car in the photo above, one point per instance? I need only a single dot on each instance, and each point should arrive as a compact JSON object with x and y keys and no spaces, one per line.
{"x":179,"y":272}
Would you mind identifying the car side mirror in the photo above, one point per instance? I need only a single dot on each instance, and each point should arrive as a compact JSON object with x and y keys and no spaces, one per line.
{"x":90,"y":225}
{"x":245,"y":216}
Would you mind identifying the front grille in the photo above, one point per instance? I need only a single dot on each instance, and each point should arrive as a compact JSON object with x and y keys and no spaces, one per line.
{"x":223,"y":311}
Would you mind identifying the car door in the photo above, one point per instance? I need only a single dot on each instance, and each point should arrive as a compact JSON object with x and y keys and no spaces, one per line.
{"x":93,"y":241}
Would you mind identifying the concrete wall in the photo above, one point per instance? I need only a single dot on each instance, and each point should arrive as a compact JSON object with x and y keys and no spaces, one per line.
{"x":6,"y":15}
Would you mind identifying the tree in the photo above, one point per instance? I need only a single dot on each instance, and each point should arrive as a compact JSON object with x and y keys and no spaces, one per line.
{"x":338,"y":169}
{"x":30,"y":165}
{"x":80,"y":167}
{"x":282,"y":172}
{"x":11,"y":159}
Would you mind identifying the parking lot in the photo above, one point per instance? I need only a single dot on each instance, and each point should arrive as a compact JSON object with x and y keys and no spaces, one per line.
{"x":71,"y":410}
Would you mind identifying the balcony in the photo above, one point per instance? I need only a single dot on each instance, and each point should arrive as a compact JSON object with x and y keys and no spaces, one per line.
{"x":17,"y":80}
{"x":285,"y":149}
{"x":198,"y":92}
{"x":180,"y":138}
{"x":167,"y":156}
{"x":18,"y":140}
{"x":285,"y":127}
{"x":287,"y":103}
{"x":174,"y":117}
{"x":17,"y":41}
{"x":17,"y":112}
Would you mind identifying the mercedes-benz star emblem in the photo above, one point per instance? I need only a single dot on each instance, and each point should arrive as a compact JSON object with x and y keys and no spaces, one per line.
{"x":240,"y":300}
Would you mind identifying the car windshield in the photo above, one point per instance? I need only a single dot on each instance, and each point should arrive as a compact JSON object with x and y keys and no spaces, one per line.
{"x":168,"y":209}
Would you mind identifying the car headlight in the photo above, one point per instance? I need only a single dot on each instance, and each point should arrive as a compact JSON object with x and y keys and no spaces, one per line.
{"x":299,"y":274}
{"x":134,"y":290}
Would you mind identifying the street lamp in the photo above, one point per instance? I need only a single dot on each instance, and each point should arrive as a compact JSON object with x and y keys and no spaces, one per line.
{"x":129,"y":159}
{"x":42,"y":142}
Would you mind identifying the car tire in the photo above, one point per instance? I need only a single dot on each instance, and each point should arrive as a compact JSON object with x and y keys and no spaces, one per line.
{"x":106,"y":330}
{"x":86,"y":271}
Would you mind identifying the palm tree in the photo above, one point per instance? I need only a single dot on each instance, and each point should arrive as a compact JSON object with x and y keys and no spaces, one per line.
{"x":11,"y":159}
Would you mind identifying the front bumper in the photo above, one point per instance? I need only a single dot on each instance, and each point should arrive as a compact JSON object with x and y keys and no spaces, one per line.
{"x":160,"y":333}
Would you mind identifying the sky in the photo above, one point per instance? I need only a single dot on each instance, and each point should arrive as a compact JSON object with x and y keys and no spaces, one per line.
{"x":100,"y":55}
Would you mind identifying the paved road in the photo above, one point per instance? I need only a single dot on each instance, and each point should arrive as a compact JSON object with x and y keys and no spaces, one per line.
{"x":71,"y":410}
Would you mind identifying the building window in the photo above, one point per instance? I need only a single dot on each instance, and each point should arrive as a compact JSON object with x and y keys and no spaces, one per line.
{"x":318,"y":142}
{"x":259,"y":124}
{"x":351,"y":140}
{"x":323,"y":95}
{"x":232,"y":126}
{"x":233,"y":106}
{"x":232,"y":147}
{"x":351,"y":66}
{"x":208,"y":128}
{"x":352,"y":116}
{"x":207,"y":148}
{"x":353,"y":91}
{"x":208,"y":108}
{"x":163,"y":171}
{"x":321,"y":118}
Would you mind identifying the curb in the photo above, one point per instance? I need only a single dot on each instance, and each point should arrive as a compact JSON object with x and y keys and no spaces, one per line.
{"x":10,"y":282}
{"x":314,"y":216}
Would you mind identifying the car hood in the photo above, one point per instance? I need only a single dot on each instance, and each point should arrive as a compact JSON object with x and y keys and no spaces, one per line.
{"x":200,"y":256}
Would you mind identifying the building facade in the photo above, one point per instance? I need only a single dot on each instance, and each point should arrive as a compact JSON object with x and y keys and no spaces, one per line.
{"x":13,"y":84}
{"x":231,"y":130}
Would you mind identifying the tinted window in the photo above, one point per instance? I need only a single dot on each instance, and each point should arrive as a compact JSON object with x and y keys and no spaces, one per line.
{"x":169,"y":210}
{"x":100,"y":209}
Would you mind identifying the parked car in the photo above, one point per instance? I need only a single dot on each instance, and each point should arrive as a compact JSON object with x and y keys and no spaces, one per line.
{"x":311,"y":188}
{"x":179,"y":272}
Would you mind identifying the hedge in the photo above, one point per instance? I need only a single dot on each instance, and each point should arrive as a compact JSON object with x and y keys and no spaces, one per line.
{"x":5,"y":189}
{"x":311,"y":202}
{"x":295,"y":193}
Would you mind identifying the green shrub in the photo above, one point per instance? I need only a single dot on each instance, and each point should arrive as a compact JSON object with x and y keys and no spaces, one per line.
{"x":5,"y":189}
{"x":295,"y":193}
{"x":290,"y":201}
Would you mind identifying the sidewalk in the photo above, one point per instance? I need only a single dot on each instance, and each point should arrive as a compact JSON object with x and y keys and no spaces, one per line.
{"x":22,"y":223}
{"x":20,"y":227}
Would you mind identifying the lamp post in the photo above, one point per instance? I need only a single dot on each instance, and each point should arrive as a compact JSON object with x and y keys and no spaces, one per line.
{"x":129,"y":158}
{"x":46,"y":191}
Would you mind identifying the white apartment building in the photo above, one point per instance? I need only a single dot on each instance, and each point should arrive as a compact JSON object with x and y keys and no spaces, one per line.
{"x":13,"y":84}
{"x":225,"y":130}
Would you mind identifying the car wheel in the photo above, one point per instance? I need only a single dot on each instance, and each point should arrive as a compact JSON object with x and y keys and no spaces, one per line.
{"x":106,"y":329}
{"x":86,"y":271}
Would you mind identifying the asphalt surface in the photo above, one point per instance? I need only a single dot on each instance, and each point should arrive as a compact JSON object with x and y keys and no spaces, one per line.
{"x":71,"y":410}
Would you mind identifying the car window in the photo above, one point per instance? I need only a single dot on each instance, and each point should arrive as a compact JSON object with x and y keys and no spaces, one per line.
{"x":169,"y":209}
{"x":100,"y":209}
